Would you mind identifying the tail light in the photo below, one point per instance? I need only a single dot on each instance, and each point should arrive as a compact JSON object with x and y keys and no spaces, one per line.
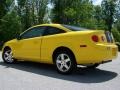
{"x":95,"y":38}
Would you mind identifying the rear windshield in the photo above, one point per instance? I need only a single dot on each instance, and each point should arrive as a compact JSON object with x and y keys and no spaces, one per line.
{"x":74,"y":28}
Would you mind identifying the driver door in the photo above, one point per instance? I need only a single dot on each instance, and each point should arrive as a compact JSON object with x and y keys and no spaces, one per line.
{"x":29,"y":44}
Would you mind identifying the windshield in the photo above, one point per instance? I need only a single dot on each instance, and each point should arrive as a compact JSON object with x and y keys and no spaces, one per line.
{"x":75,"y":28}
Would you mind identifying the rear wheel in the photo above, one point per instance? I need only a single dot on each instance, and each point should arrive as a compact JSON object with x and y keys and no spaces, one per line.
{"x":7,"y":56}
{"x":65,"y":62}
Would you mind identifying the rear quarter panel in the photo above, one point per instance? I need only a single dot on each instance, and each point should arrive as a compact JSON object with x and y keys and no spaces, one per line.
{"x":71,"y":40}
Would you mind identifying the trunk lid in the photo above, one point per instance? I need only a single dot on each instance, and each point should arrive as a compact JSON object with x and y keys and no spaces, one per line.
{"x":104,"y":37}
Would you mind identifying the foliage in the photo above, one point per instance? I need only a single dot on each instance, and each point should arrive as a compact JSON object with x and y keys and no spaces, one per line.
{"x":99,"y":22}
{"x":3,"y":9}
{"x":31,"y":12}
{"x":10,"y":27}
{"x":15,"y":18}
{"x":116,"y":34}
{"x":75,"y":12}
{"x":109,"y":9}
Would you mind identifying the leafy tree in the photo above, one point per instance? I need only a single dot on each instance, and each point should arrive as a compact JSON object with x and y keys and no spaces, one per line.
{"x":117,"y":15}
{"x":10,"y":27}
{"x":116,"y":34}
{"x":99,"y":22}
{"x":17,"y":18}
{"x":3,"y":9}
{"x":31,"y":12}
{"x":109,"y":10}
{"x":75,"y":12}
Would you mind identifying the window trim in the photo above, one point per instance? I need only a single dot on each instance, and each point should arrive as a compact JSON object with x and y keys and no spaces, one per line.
{"x":74,"y":28}
{"x":47,"y":28}
{"x":30,"y":30}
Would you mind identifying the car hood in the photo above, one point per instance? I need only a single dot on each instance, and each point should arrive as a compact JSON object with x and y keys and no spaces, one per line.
{"x":11,"y":41}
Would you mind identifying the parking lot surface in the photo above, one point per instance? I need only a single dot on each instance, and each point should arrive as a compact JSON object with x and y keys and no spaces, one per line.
{"x":35,"y":76}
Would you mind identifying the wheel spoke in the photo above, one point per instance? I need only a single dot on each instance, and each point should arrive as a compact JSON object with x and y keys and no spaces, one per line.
{"x":61,"y":67}
{"x":11,"y":53}
{"x":6,"y":58}
{"x":6,"y":53}
{"x":58,"y":61}
{"x":66,"y":66}
{"x":62,"y":56}
{"x":67,"y":60}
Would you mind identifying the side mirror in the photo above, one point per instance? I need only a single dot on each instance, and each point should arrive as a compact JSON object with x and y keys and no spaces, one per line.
{"x":18,"y":37}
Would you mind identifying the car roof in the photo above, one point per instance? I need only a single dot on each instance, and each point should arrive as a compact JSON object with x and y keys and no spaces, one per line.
{"x":54,"y":25}
{"x":60,"y":26}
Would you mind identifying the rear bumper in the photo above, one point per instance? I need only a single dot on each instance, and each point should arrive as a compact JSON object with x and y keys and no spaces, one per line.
{"x":98,"y":54}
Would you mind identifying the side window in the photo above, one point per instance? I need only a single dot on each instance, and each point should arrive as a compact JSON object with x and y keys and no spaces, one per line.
{"x":33,"y":32}
{"x":53,"y":30}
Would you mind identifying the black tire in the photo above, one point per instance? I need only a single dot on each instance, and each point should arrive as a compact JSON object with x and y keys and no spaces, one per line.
{"x":68,"y":62}
{"x":93,"y":66}
{"x":7,"y":56}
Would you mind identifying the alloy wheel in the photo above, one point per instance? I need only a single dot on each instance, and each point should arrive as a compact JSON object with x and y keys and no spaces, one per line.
{"x":8,"y":56}
{"x":63,"y":62}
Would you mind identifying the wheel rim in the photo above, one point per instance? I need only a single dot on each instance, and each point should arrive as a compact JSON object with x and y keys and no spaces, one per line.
{"x":63,"y":62}
{"x":8,"y":56}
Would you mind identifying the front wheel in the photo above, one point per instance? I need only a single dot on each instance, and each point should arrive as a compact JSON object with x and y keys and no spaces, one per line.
{"x":65,"y":62}
{"x":7,"y":56}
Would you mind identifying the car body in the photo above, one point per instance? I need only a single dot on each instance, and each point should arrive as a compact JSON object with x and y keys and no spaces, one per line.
{"x":40,"y":43}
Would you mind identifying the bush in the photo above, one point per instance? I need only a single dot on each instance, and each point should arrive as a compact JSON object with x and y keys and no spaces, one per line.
{"x":116,"y":35}
{"x":10,"y":27}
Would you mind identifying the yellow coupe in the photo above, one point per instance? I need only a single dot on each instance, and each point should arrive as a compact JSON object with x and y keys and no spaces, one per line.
{"x":63,"y":45}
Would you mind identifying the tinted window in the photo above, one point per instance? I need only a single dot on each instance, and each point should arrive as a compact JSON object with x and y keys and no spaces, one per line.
{"x":53,"y":30}
{"x":74,"y":28}
{"x":34,"y":32}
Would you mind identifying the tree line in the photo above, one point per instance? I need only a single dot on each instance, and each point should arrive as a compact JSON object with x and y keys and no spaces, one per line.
{"x":18,"y":15}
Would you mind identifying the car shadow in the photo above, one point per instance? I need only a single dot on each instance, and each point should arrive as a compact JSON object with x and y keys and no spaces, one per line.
{"x":80,"y":75}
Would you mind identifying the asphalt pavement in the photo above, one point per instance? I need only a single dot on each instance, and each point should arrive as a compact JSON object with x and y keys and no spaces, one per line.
{"x":36,"y":76}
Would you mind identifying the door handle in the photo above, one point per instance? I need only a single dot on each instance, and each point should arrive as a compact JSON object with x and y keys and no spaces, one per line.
{"x":35,"y":42}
